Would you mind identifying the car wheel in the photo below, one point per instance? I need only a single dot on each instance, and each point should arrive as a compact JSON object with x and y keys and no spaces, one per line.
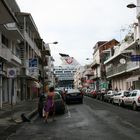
{"x":67,"y":102}
{"x":120,"y":103}
{"x":101,"y":98}
{"x":134,"y":106}
{"x":112,"y":101}
{"x":63,"y":111}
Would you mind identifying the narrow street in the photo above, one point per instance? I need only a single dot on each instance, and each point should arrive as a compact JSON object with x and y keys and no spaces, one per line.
{"x":92,"y":120}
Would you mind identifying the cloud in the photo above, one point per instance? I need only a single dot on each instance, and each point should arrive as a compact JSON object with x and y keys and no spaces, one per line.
{"x":78,"y":24}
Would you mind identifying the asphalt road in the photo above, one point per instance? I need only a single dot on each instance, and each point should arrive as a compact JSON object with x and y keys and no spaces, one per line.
{"x":92,"y":120}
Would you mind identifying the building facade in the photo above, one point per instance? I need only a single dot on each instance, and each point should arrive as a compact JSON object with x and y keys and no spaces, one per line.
{"x":78,"y":76}
{"x":22,"y":53}
{"x":123,"y":67}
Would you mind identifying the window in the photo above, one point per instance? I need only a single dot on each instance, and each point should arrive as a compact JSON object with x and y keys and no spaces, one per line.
{"x":57,"y":96}
{"x":126,"y":93}
{"x":134,"y":94}
{"x":4,"y":40}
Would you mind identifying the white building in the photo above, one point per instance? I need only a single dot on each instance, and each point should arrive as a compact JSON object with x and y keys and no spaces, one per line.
{"x":10,"y":61}
{"x":78,"y":77}
{"x":123,"y":67}
{"x":21,"y":55}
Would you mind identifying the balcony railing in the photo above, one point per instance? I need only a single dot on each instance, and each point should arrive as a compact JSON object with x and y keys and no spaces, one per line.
{"x":89,"y":72}
{"x":31,"y":43}
{"x":119,"y":69}
{"x":95,"y":63}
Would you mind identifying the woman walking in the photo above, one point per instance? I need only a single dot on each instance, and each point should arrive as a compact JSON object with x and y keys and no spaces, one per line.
{"x":49,"y":104}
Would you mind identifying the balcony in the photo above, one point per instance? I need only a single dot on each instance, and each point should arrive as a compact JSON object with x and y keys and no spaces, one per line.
{"x":120,"y":69}
{"x":16,"y":59}
{"x":31,"y":43}
{"x":5,"y":53}
{"x":89,"y":73}
{"x":94,"y":64}
{"x":93,"y":77}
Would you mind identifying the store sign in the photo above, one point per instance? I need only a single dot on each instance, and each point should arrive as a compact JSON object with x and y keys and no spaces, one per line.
{"x":33,"y":62}
{"x":33,"y":72}
{"x":135,"y":57}
{"x":11,"y":72}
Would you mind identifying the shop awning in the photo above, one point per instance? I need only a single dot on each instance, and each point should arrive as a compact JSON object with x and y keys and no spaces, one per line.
{"x":37,"y":84}
{"x":133,"y":78}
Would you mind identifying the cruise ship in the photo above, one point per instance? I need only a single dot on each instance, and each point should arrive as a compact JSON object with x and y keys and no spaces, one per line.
{"x":65,"y":72}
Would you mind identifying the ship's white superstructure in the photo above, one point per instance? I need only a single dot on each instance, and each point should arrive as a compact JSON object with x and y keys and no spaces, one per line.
{"x":65,"y":72}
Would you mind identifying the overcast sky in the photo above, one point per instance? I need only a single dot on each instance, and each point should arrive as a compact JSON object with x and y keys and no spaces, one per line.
{"x":78,"y":24}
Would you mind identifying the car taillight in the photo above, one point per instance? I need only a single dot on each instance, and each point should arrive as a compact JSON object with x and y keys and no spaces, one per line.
{"x":139,"y":99}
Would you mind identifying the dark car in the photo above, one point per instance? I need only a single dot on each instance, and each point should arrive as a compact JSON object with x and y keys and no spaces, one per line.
{"x":74,"y":95}
{"x":59,"y":104}
{"x":61,"y":92}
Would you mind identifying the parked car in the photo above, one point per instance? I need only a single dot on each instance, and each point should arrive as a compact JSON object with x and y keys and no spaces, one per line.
{"x":101,"y":93}
{"x":59,"y":103}
{"x":87,"y":92}
{"x":93,"y":93}
{"x":109,"y":95}
{"x":118,"y":98}
{"x":74,"y":95}
{"x":132,"y":100}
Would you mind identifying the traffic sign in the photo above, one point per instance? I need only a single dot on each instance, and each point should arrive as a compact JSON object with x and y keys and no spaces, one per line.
{"x":11,"y":72}
{"x":33,"y":62}
{"x":135,"y":57}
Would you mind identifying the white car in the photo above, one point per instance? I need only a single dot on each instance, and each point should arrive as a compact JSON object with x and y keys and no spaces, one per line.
{"x":109,"y":95}
{"x":117,"y":99}
{"x":132,"y":100}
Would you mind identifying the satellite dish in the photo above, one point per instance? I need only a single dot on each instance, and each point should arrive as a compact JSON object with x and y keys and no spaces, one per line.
{"x":122,"y":61}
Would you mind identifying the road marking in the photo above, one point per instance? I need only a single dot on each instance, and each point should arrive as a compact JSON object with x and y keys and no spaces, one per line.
{"x":69,"y":114}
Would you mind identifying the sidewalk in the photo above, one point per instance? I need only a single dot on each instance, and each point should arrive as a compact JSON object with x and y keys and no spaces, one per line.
{"x":12,"y":115}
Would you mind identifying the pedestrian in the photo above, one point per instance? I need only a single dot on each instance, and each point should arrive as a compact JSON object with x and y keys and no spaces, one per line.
{"x":41,"y":101}
{"x":49,"y":104}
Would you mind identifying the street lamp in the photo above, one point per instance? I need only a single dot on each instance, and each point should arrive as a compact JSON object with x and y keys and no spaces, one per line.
{"x":88,"y":58}
{"x":132,"y":5}
{"x":46,"y":52}
{"x":55,"y":42}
